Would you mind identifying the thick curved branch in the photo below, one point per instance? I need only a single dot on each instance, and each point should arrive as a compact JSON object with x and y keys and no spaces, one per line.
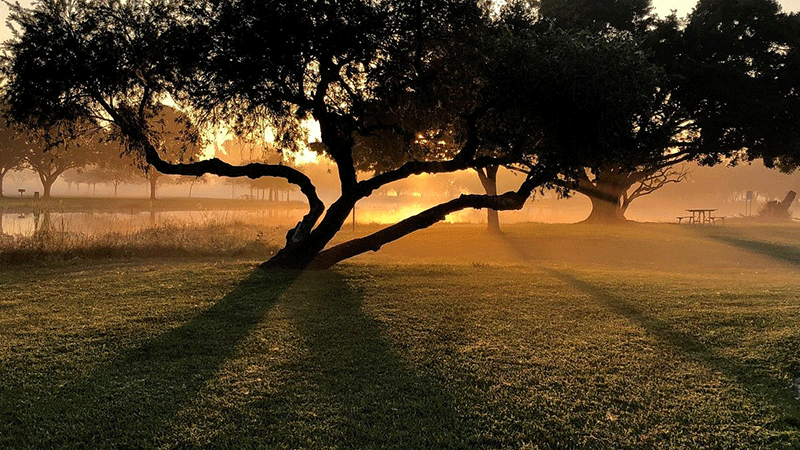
{"x":463,"y":160}
{"x":508,"y":201}
{"x":218,"y":167}
{"x":253,"y":171}
{"x":366,"y":187}
{"x":585,"y":186}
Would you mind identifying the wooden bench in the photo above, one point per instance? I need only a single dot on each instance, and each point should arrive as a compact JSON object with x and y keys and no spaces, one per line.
{"x":716,"y":218}
{"x":680,"y":219}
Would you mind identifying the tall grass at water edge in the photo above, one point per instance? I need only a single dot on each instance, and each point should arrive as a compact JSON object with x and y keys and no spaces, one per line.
{"x":166,"y":239}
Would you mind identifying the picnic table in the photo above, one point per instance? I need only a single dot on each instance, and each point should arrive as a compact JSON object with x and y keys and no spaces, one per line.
{"x":702,"y":216}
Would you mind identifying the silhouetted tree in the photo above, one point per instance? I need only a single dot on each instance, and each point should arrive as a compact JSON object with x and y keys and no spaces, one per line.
{"x":597,"y":15}
{"x":13,"y":147}
{"x":50,"y":155}
{"x":442,"y":82}
{"x":355,"y":67}
{"x":736,"y":75}
{"x":176,"y":138}
{"x":723,"y":89}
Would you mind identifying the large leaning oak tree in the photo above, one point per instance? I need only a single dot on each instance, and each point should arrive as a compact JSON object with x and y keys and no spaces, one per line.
{"x":421,"y":73}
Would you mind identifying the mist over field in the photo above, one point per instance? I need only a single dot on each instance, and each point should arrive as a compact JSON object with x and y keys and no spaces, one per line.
{"x":721,"y":188}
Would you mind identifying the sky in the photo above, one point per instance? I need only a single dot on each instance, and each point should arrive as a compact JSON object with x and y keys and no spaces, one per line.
{"x":663,"y":7}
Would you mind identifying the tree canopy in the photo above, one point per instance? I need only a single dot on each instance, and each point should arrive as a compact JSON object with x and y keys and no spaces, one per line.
{"x":724,"y":86}
{"x":398,"y":88}
{"x":356,"y":67}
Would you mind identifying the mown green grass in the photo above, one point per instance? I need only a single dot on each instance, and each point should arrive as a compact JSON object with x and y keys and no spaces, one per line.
{"x":548,"y":337}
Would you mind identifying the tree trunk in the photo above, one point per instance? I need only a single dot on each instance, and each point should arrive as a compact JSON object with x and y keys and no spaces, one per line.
{"x":47,"y":185}
{"x":489,"y":182}
{"x":606,"y":209}
{"x":299,"y":253}
{"x":153,"y":182}
{"x":607,"y":192}
{"x":373,"y":242}
{"x":2,"y":175}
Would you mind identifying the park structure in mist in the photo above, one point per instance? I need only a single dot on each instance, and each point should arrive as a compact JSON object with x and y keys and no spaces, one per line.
{"x":604,"y":99}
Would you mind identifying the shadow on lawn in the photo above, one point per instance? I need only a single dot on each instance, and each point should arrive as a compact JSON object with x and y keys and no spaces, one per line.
{"x":785,"y":253}
{"x":759,"y":385}
{"x":130,"y":401}
{"x":356,"y":391}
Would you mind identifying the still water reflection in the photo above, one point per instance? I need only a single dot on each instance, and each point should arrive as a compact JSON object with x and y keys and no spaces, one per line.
{"x":100,"y":223}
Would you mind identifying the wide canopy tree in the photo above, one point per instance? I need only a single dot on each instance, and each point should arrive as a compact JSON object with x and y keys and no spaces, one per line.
{"x":51,"y":152}
{"x":725,"y":89}
{"x":421,"y":72}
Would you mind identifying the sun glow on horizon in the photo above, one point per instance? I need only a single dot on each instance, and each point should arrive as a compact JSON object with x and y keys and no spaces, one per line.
{"x":217,"y":137}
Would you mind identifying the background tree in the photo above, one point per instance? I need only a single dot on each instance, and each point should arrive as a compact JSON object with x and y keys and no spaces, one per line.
{"x":192,"y":181}
{"x":51,"y":156}
{"x":488,"y":177}
{"x":598,"y":15}
{"x":13,"y":147}
{"x":117,"y":170}
{"x":707,"y":104}
{"x":176,"y":138}
{"x":255,"y":149}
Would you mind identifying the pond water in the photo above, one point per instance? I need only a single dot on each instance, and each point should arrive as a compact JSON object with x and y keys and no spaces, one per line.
{"x":100,"y":223}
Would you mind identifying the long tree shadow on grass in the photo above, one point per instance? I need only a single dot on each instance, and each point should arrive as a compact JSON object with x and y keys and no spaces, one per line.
{"x":759,"y":385}
{"x":130,"y":401}
{"x":785,"y":253}
{"x":356,"y":390}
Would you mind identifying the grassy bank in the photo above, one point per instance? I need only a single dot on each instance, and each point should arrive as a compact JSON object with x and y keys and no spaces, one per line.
{"x":233,"y":239}
{"x":549,"y":337}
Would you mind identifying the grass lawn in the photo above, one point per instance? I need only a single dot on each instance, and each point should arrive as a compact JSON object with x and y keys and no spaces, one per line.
{"x":551,"y":336}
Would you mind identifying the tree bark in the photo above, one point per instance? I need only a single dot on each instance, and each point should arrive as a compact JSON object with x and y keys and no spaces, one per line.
{"x":488,"y":177}
{"x":607,"y":193}
{"x":153,"y":181}
{"x":373,"y":242}
{"x":47,"y":184}
{"x":606,"y":210}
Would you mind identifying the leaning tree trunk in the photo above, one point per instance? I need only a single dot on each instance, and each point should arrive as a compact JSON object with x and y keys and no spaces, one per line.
{"x":300,"y":252}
